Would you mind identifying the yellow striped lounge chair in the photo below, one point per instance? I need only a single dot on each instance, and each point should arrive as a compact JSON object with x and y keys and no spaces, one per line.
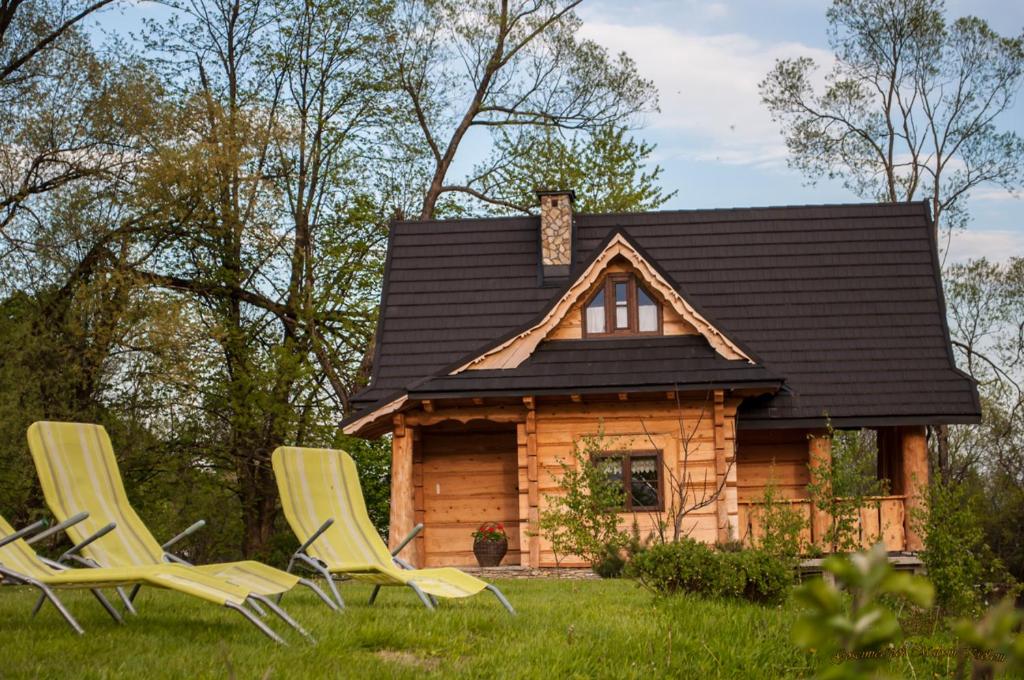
{"x":78,"y":473}
{"x":324,"y":505}
{"x":21,"y":565}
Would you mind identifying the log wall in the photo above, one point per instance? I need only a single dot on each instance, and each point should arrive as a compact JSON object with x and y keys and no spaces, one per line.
{"x":685,"y":433}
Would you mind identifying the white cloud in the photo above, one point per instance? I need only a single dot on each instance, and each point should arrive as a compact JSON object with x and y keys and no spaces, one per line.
{"x":995,"y":194}
{"x":995,"y":244}
{"x":708,"y":88}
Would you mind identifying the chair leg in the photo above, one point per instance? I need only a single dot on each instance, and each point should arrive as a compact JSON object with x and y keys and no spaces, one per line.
{"x":320,"y":569}
{"x":135,"y":591}
{"x":39,"y":604}
{"x":321,"y":594}
{"x":501,"y":598}
{"x":106,"y":605}
{"x":283,"y":615}
{"x":373,"y":595}
{"x":49,"y":595}
{"x":263,"y":628}
{"x":422,"y":596}
{"x":126,"y":601}
{"x":433,"y":600}
{"x":256,"y":608}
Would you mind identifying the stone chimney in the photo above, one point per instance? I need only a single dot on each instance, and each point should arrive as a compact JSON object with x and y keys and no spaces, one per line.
{"x":556,"y":231}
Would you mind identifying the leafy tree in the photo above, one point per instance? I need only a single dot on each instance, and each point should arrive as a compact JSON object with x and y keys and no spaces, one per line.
{"x":606,"y":167}
{"x":491,"y":66}
{"x":909,"y":111}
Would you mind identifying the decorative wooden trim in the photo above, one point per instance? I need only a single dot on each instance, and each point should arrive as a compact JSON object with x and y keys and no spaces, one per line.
{"x":495,"y":414}
{"x":517,"y":349}
{"x":386,"y":409}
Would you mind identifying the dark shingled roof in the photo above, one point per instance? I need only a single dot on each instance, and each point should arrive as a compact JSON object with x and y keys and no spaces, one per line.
{"x":645,"y":363}
{"x":843,"y":302}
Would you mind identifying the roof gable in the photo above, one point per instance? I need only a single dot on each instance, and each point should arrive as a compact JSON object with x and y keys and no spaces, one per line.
{"x":511,"y":352}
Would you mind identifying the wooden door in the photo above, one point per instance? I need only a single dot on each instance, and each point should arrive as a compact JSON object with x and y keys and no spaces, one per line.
{"x":470,"y":476}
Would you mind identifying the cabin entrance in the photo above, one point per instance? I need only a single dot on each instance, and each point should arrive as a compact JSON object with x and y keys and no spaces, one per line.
{"x":469,"y":476}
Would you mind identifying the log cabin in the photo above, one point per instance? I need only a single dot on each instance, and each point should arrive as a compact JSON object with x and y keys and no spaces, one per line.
{"x":712,"y":346}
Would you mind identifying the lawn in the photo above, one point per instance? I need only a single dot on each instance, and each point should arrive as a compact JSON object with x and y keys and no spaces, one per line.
{"x":564,"y":629}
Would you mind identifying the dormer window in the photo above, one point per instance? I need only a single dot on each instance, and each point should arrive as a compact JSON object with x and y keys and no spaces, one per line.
{"x":621,"y":306}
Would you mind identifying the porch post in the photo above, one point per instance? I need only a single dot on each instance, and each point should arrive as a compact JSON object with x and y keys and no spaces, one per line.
{"x":727,"y":504}
{"x":529,"y":538}
{"x":915,"y":481}
{"x":403,"y":512}
{"x":819,"y":458}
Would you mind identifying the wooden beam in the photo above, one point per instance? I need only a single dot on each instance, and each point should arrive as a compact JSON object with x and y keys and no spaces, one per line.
{"x":403,"y":507}
{"x":533,"y":486}
{"x":819,"y":459}
{"x":428,"y":406}
{"x":623,"y":396}
{"x":576,"y":398}
{"x":914,"y":446}
{"x":721,"y":466}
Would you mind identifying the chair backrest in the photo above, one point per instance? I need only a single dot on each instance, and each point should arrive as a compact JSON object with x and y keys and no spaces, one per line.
{"x":20,"y":557}
{"x":317,"y":484}
{"x":78,"y":472}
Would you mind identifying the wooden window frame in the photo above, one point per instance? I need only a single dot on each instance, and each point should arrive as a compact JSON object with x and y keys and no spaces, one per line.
{"x":633,"y":313}
{"x":627,"y":476}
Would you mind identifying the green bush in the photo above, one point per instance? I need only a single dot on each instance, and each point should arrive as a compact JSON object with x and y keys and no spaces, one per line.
{"x":690,"y":566}
{"x":687,"y":566}
{"x":966,"y":574}
{"x":755,"y":575}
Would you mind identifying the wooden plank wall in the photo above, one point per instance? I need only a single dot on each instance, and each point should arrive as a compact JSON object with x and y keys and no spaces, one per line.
{"x":639,"y":425}
{"x":778,"y":455}
{"x":469,"y":476}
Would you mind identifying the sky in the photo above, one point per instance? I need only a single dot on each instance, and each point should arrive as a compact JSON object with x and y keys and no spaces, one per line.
{"x":715,"y":140}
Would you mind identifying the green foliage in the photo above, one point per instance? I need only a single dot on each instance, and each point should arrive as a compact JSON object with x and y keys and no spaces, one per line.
{"x":841,"y":486}
{"x":373,"y":460}
{"x":994,"y":641}
{"x":986,"y":311}
{"x":846,"y":631}
{"x":606,"y":168}
{"x":584,"y":519}
{"x":965,"y":572}
{"x":782,"y":527}
{"x":689,"y":566}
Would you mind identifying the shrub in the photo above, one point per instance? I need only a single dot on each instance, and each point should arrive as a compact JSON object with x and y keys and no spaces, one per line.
{"x":687,"y":566}
{"x":781,"y":527}
{"x":960,"y":564}
{"x":755,"y":575}
{"x":693,"y":567}
{"x":584,"y":519}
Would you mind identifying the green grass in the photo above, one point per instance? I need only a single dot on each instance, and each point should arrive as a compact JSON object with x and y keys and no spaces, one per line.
{"x":569,"y":629}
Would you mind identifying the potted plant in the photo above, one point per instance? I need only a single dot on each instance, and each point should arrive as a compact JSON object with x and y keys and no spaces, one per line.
{"x":490,"y":543}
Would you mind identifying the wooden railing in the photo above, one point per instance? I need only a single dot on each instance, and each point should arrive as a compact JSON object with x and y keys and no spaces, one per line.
{"x":881,"y":518}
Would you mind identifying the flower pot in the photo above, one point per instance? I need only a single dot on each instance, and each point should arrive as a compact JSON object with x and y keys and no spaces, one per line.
{"x":489,"y":553}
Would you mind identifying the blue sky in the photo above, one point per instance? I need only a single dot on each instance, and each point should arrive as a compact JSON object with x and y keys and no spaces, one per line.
{"x":715,"y":140}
